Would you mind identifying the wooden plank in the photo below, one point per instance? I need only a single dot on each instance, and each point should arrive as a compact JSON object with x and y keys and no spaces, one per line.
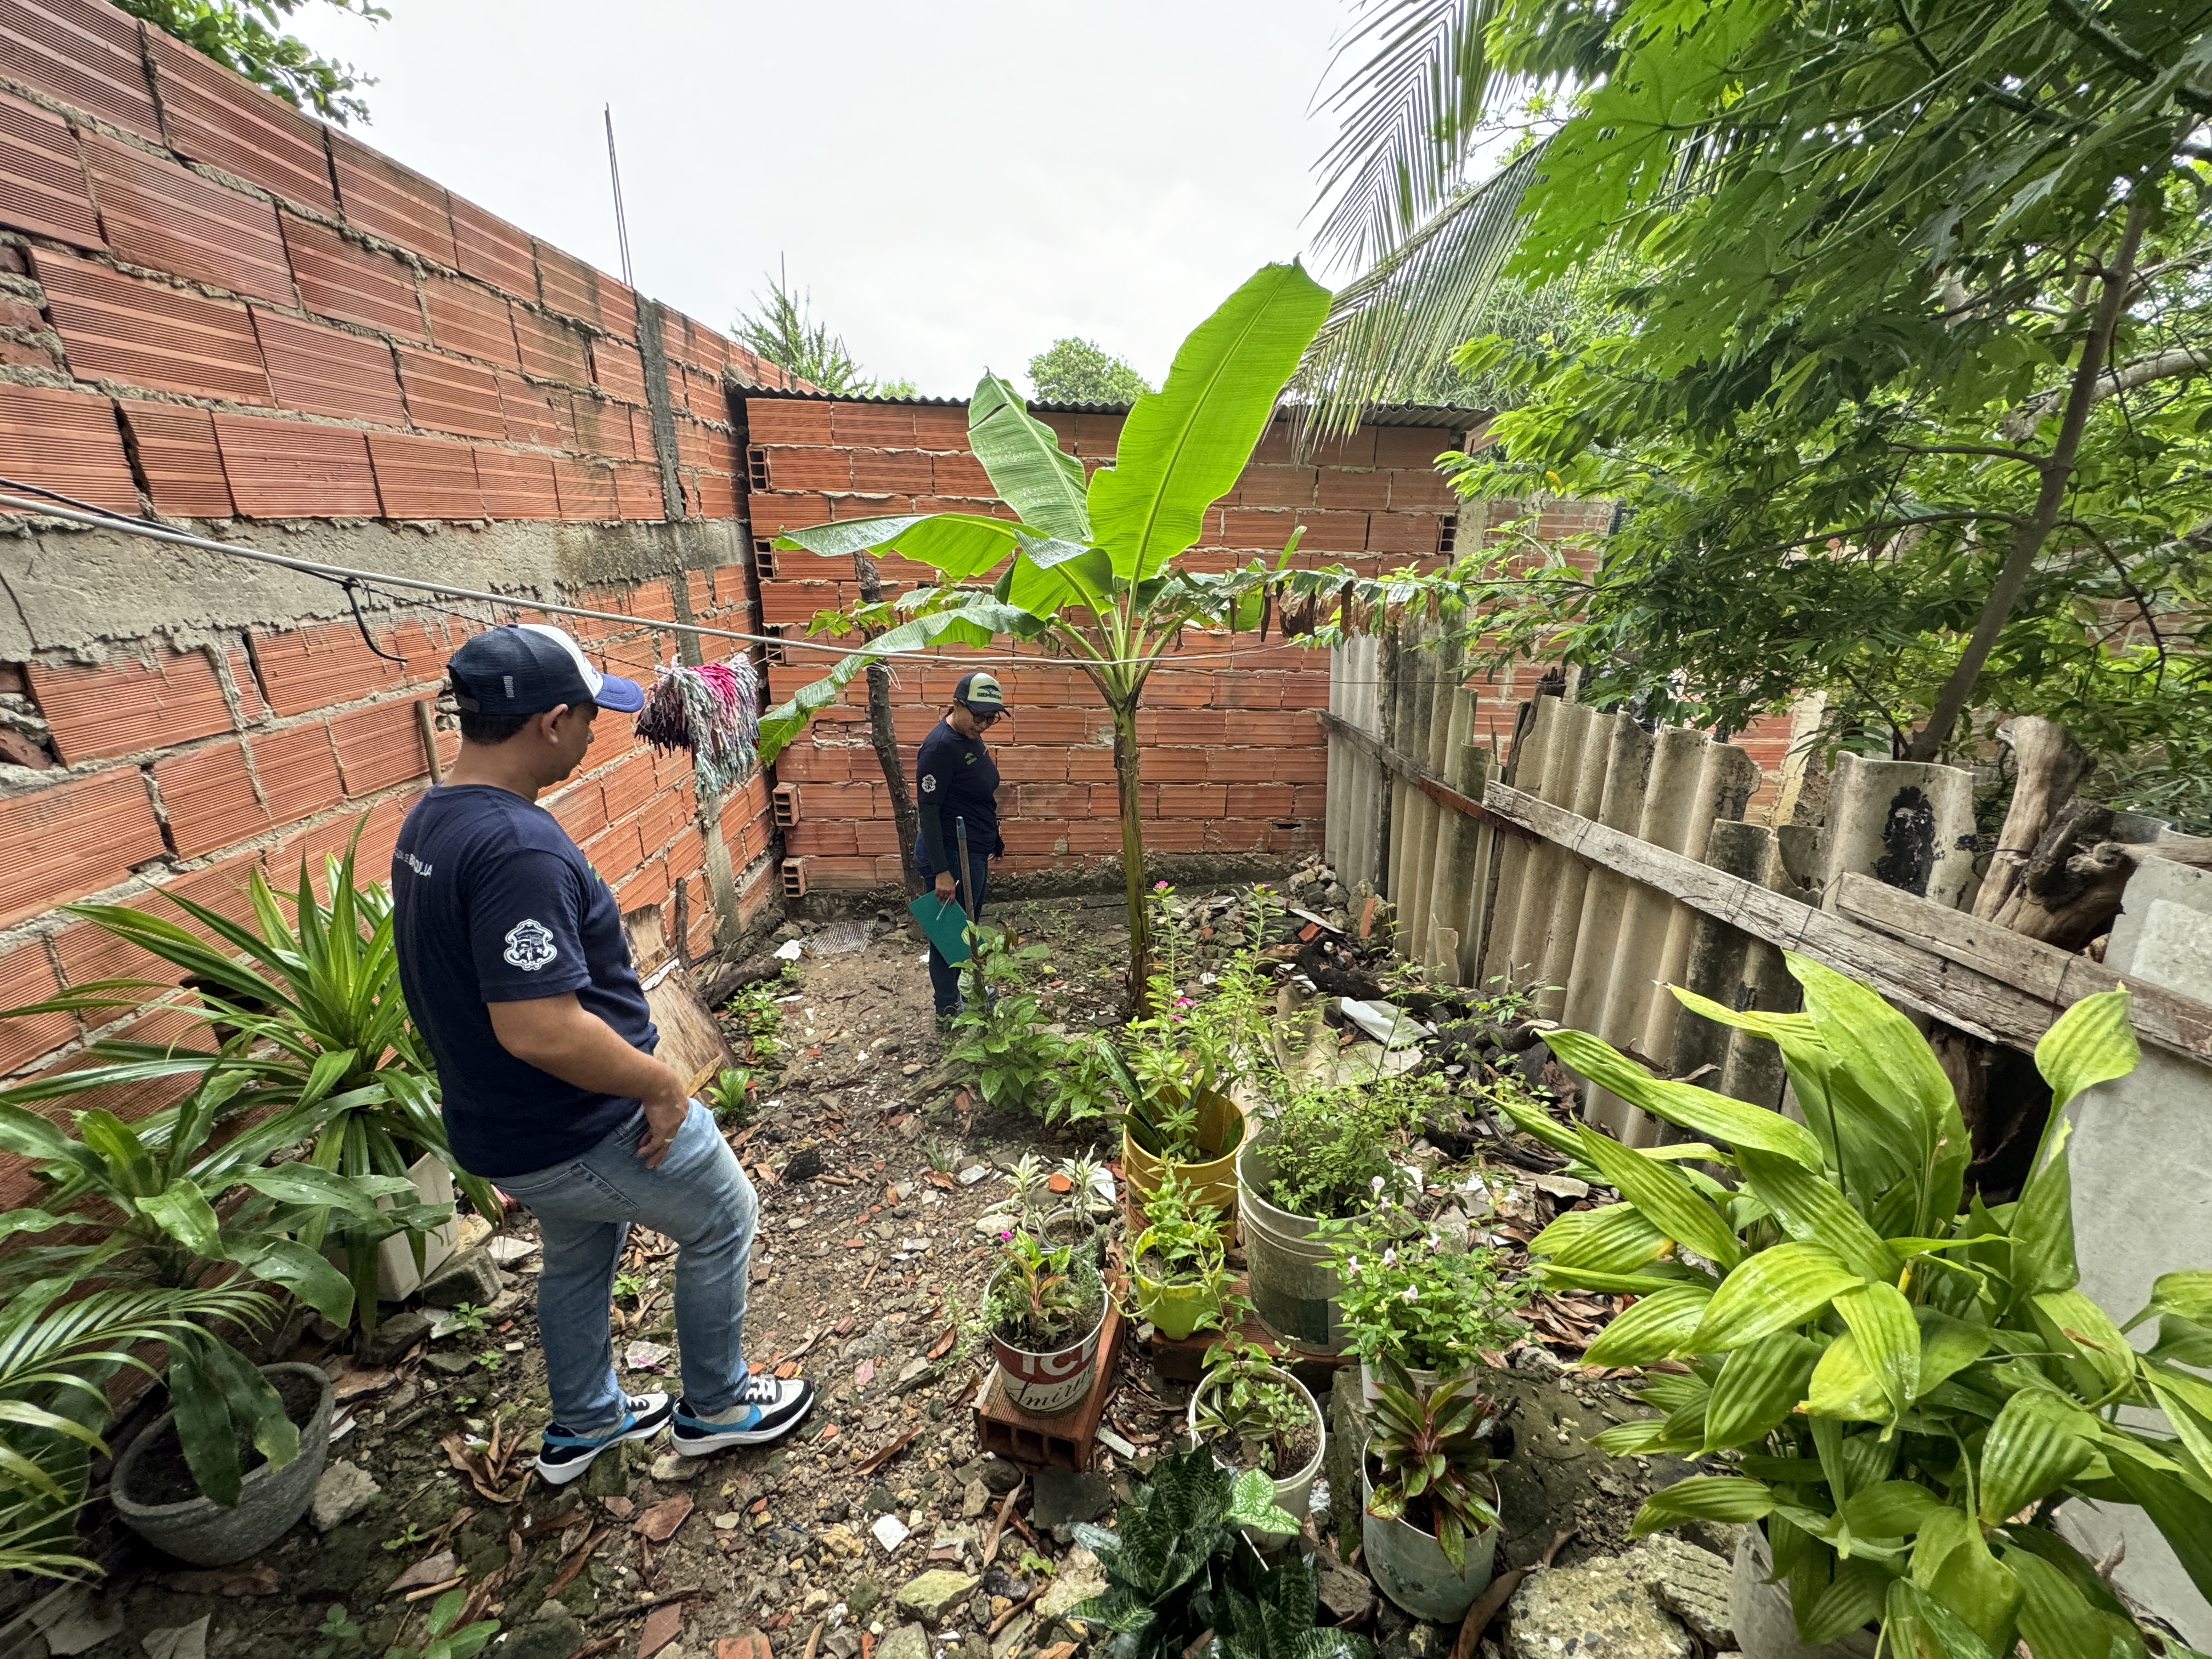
{"x":2059,"y":977}
{"x":1918,"y":978}
{"x":1413,"y":772}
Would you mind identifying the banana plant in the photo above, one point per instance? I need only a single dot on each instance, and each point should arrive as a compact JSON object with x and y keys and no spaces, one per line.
{"x":304,"y":1007}
{"x":56,"y":1351}
{"x":161,"y":1206}
{"x":1089,"y":570}
{"x":1907,"y":1390}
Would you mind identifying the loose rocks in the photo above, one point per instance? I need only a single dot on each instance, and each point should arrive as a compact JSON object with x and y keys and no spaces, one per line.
{"x":935,"y":1594}
{"x":343,"y":1491}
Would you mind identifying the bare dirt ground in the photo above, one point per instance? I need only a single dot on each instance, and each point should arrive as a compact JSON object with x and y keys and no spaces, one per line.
{"x":868,"y":1268}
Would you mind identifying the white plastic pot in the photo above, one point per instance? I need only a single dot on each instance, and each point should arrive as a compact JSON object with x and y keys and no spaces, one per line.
{"x":1292,"y":1492}
{"x":1410,"y":1568}
{"x":1760,"y":1615}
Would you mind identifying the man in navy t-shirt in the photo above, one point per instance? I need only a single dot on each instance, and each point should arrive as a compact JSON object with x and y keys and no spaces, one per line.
{"x":957,"y":785}
{"x":515,"y":969}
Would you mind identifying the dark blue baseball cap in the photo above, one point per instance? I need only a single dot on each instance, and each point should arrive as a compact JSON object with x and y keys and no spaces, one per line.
{"x":527,"y":668}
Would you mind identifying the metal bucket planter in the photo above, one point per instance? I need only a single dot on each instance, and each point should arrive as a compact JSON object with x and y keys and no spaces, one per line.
{"x":1084,"y":1236}
{"x":1759,"y":1611}
{"x":1289,"y":1279}
{"x":1292,"y":1493}
{"x":1221,"y":1131}
{"x":1175,"y":1309}
{"x":204,"y":1532}
{"x":1410,"y":1567}
{"x":1048,"y":1384}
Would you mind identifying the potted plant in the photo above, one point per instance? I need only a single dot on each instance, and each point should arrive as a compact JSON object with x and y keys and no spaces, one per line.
{"x":1325,"y":1155}
{"x":1043,"y":1309}
{"x":1253,"y":1415}
{"x":154,"y":1205}
{"x":57,"y":1351}
{"x":1912,"y":1390}
{"x":1429,"y":1515}
{"x":1185,"y":1060}
{"x":1402,"y":1297}
{"x":1183,"y":1575}
{"x":304,"y":1005}
{"x":1181,"y":1273}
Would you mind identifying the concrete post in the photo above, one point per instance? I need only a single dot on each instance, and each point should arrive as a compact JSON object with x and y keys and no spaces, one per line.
{"x":1724,"y":786}
{"x":1909,"y":824}
{"x":1713,"y":965}
{"x":1628,"y":751}
{"x":1752,"y":1071}
{"x":1530,"y":755}
{"x":1670,"y":817}
{"x":2143,"y":1197}
{"x":1569,"y":876}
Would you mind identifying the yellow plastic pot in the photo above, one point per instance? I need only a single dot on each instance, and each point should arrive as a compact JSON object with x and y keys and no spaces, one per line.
{"x":1220,"y":1133}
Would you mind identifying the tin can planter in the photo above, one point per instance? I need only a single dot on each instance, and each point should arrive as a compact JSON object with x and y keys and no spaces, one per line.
{"x":1410,"y":1567}
{"x":1293,"y":1491}
{"x":1053,"y":1383}
{"x":1765,"y":1624}
{"x":1221,"y":1128}
{"x":204,"y":1532}
{"x":1289,"y":1280}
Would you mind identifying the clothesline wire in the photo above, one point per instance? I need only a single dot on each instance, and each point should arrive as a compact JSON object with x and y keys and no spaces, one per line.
{"x":69,"y":508}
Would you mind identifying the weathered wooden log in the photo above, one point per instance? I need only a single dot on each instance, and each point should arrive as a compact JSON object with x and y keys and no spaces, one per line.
{"x":2048,"y":768}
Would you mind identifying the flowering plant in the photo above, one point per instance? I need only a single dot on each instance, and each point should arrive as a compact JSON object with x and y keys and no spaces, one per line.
{"x":1330,"y":1149}
{"x":1043,"y":1293}
{"x":1404,"y":1296}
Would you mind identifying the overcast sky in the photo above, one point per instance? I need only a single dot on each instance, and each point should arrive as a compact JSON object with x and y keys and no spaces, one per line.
{"x":955,"y":184}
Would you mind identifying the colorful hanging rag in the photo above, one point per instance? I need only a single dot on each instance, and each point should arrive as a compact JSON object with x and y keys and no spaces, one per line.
{"x":712,"y":713}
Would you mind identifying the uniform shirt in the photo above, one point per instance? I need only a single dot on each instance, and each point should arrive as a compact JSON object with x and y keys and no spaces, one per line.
{"x":493,"y":902}
{"x":956,"y":778}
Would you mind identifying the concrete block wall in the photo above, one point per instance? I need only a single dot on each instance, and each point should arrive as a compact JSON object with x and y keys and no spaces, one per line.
{"x":216,"y":310}
{"x":1233,"y":762}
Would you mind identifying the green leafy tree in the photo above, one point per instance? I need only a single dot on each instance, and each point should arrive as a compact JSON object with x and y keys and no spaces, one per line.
{"x":245,"y":35}
{"x":1904,"y":409}
{"x":781,"y":328}
{"x":1072,"y":371}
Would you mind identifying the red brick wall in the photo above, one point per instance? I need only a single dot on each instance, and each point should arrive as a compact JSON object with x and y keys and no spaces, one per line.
{"x":1233,"y":760}
{"x":212,"y":307}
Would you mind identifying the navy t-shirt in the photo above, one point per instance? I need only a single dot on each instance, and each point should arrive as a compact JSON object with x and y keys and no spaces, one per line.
{"x":493,"y":902}
{"x":955,"y":777}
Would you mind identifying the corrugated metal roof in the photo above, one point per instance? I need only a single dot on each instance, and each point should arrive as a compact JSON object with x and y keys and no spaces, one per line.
{"x":1418,"y":415}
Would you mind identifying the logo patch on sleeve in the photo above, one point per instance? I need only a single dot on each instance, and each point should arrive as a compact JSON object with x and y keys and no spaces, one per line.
{"x":929,"y":783}
{"x":530,"y":946}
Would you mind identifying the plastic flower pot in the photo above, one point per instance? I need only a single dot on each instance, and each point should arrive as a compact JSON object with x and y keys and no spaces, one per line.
{"x":1410,"y":1567}
{"x":1220,"y":1133}
{"x":1175,"y":1309}
{"x":199,"y":1529}
{"x":1052,"y":1383}
{"x":1766,"y":1626}
{"x":1293,"y":1491}
{"x":1370,"y":1380}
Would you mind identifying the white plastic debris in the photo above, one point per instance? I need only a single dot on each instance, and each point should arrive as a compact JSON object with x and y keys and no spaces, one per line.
{"x":790,"y":950}
{"x":889,"y":1531}
{"x":643,"y":1356}
{"x":1387,"y":1023}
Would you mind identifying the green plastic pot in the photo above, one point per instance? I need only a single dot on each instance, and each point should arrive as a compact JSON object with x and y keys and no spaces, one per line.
{"x":1173,"y":1310}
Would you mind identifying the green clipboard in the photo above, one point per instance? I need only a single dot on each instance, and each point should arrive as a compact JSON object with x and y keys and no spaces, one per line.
{"x":946,"y":924}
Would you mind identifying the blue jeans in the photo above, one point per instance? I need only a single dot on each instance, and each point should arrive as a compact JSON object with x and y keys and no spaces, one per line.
{"x":699,"y":1197}
{"x":945,"y":976}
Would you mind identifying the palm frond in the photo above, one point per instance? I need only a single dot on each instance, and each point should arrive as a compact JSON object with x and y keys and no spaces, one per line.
{"x":1412,"y":80}
{"x":1389,"y":332}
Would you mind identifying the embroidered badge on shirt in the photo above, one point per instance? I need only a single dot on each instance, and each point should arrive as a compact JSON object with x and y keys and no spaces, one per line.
{"x":530,"y":946}
{"x":929,"y":783}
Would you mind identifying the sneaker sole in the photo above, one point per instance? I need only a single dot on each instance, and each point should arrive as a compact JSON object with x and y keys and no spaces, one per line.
{"x":704,"y":1444}
{"x":560,"y":1475}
